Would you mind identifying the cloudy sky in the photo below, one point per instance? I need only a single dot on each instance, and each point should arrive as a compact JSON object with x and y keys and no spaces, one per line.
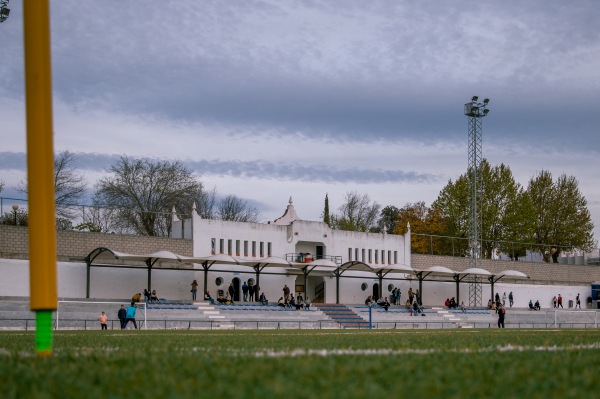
{"x":272,"y":99}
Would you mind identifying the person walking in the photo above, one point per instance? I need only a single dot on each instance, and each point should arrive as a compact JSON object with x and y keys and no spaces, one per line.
{"x":194,"y":289}
{"x":130,"y":316}
{"x":504,"y":299}
{"x":510,"y":299}
{"x":122,"y":315}
{"x":103,"y":321}
{"x":231,"y":291}
{"x":577,"y":302}
{"x":251,"y":290}
{"x":501,"y":314}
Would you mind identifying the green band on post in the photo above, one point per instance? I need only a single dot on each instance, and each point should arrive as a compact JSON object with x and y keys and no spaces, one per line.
{"x":43,"y":332}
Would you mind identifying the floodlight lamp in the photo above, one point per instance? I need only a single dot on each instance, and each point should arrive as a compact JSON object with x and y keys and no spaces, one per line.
{"x":474,"y":99}
{"x":485,"y":112}
{"x":486,"y":100}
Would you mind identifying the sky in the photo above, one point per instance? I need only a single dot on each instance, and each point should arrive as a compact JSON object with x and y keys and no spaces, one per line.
{"x":269,"y":100}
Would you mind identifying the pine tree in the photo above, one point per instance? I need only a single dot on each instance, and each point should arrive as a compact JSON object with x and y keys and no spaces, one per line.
{"x":326,"y":217}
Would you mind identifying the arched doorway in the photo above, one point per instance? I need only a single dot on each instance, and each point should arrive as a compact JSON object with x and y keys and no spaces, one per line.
{"x":376,"y":291}
{"x":236,"y":289}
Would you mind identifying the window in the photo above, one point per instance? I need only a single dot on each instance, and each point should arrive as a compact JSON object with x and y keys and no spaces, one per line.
{"x":213,"y":246}
{"x":221,"y":246}
{"x":254,"y":249}
{"x":229,"y":247}
{"x":390,"y":257}
{"x":370,"y":255}
{"x":376,"y":256}
{"x":364,"y":286}
{"x":269,"y":249}
{"x":356,"y":254}
{"x":349,"y":254}
{"x":262,"y":249}
{"x":363,"y":256}
{"x":245,"y":248}
{"x":395,"y":256}
{"x":237,"y":247}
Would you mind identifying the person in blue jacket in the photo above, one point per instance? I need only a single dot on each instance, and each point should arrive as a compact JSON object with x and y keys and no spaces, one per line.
{"x":131,"y":316}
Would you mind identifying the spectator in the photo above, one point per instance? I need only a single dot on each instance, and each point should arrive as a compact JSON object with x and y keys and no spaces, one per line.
{"x":537,"y":305}
{"x":418,"y":297}
{"x":251,"y":290}
{"x":447,"y":303}
{"x":307,"y":304}
{"x":146,"y":295}
{"x":490,"y":304}
{"x":577,"y":302}
{"x":103,"y":321}
{"x":531,"y":305}
{"x":504,"y":299}
{"x":209,"y":298}
{"x":137,"y":297}
{"x":228,"y":298}
{"x":510,"y":299}
{"x":560,"y":302}
{"x":554,"y":301}
{"x":194,"y":290}
{"x":286,"y":293}
{"x":221,"y":297}
{"x":292,"y":302}
{"x":245,"y":291}
{"x":416,"y":308}
{"x":130,"y":315}
{"x":462,"y":306}
{"x":122,"y":315}
{"x":263,"y":299}
{"x":281,"y":302}
{"x":501,"y":313}
{"x":231,"y":292}
{"x":154,"y":297}
{"x":410,"y":295}
{"x":383,"y":302}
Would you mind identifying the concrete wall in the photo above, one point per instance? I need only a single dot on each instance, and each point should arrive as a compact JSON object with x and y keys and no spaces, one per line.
{"x":75,"y":245}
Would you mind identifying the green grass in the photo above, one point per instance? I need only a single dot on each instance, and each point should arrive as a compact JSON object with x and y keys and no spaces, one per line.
{"x":294,"y":364}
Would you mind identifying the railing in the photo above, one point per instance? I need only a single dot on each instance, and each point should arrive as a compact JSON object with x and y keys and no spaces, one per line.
{"x":171,"y":324}
{"x":307,"y":258}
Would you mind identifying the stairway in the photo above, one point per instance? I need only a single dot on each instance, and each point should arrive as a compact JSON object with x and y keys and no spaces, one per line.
{"x":452,"y":317}
{"x":345,"y":317}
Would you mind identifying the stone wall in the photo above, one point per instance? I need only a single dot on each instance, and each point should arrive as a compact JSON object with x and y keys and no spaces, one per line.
{"x":544,"y":273}
{"x":75,"y":245}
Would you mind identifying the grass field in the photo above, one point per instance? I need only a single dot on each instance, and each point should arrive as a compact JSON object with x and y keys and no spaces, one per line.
{"x":510,"y":363}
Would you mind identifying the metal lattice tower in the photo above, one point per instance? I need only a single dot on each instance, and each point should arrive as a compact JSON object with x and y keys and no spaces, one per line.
{"x":475,"y":111}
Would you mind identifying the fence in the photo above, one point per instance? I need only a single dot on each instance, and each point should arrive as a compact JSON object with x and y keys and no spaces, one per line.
{"x":172,"y":324}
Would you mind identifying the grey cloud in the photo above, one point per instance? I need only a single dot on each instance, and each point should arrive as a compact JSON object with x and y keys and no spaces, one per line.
{"x":253,"y":169}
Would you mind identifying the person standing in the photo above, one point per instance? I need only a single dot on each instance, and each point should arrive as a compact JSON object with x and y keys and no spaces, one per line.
{"x":122,"y":315}
{"x":245,"y":291}
{"x":194,"y":289}
{"x":559,"y":301}
{"x":577,"y":302}
{"x":130,"y":316}
{"x":286,"y":293}
{"x":510,"y":299}
{"x":554,"y":302}
{"x":504,"y":299}
{"x":231,"y":291}
{"x":103,"y":321}
{"x":251,"y":290}
{"x":501,"y":314}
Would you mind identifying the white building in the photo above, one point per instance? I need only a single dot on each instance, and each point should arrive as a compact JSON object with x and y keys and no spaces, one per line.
{"x":309,"y":245}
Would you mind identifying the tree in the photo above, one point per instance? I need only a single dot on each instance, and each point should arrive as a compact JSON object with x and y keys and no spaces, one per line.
{"x":144,"y":191}
{"x":357,"y":213}
{"x":235,"y":209}
{"x":388,"y":219}
{"x":422,"y":220}
{"x":206,"y":203}
{"x":561,"y":215}
{"x":1,"y":185}
{"x":503,"y":208}
{"x":326,"y":215}
{"x":69,"y":186}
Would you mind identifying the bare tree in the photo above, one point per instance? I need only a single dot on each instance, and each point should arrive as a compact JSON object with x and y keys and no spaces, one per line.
{"x":69,"y":186}
{"x":236,"y":209}
{"x":144,"y":192}
{"x":206,"y":203}
{"x":357,"y":213}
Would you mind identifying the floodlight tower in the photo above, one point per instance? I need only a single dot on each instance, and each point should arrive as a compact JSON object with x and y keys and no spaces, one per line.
{"x":475,"y":111}
{"x":4,"y":10}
